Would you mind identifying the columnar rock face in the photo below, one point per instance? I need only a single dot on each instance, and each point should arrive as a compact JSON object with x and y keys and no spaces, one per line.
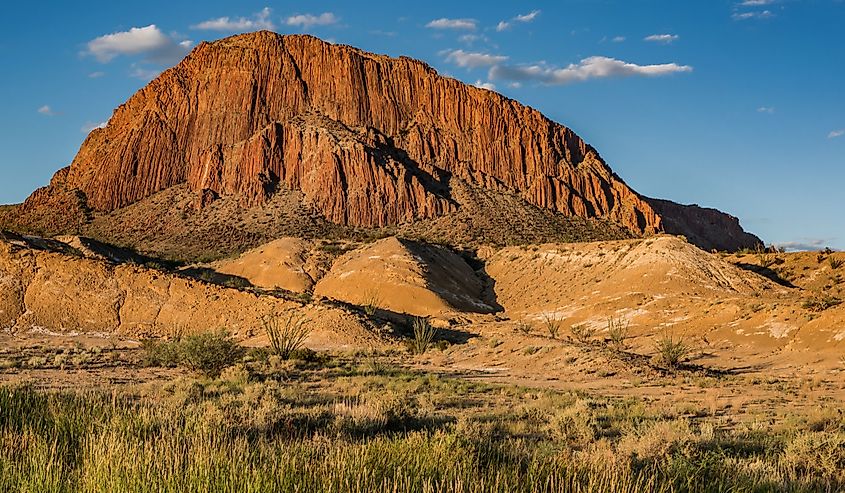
{"x":369,"y":140}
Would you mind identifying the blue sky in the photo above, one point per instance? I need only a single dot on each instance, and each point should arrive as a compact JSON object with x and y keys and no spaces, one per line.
{"x":736,"y":105}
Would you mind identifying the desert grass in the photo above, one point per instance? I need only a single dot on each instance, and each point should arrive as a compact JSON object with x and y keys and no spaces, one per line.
{"x":332,"y":428}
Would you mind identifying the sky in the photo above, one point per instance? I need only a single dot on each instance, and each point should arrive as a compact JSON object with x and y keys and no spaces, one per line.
{"x":736,"y":105}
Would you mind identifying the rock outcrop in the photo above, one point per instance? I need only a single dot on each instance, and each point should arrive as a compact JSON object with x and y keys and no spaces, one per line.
{"x":369,"y":140}
{"x":704,"y":227}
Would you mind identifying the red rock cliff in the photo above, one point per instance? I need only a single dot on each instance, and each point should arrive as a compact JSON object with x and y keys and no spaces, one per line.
{"x":370,"y":140}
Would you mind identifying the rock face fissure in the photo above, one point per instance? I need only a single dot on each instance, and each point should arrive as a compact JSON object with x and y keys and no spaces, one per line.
{"x":369,"y":140}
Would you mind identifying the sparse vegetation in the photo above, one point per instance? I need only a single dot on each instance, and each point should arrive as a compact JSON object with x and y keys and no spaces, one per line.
{"x":404,"y":432}
{"x":835,"y":263}
{"x":618,"y":333}
{"x":582,"y":333}
{"x":207,"y":353}
{"x":286,"y":334}
{"x":821,"y":303}
{"x":552,"y":323}
{"x":371,"y":302}
{"x":524,"y":328}
{"x":672,"y":351}
{"x":424,"y":335}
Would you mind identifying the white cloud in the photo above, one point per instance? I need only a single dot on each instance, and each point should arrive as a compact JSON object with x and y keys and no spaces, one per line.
{"x":89,"y":127}
{"x":589,"y":68}
{"x":806,"y":244}
{"x":259,"y":20}
{"x":466,"y":59}
{"x":755,"y":3}
{"x":307,"y":21}
{"x":524,"y":18}
{"x":472,"y":38}
{"x":662,"y":38}
{"x":96,"y":75}
{"x":485,"y":85}
{"x":46,"y":110}
{"x":527,"y":17}
{"x":148,"y":41}
{"x":143,"y":72}
{"x":444,"y":23}
{"x":742,"y":16}
{"x":618,"y":39}
{"x":766,"y":109}
{"x":836,"y":133}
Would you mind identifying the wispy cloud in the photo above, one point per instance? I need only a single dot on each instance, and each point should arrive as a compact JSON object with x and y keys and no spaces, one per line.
{"x":805,"y":244}
{"x":467,"y":59}
{"x":836,"y":133}
{"x":259,"y":20}
{"x":96,"y":75}
{"x":471,"y":38}
{"x":595,"y":67}
{"x":743,"y":16}
{"x":148,"y":41}
{"x":523,"y":18}
{"x":307,"y":21}
{"x":89,"y":127}
{"x":766,"y":109}
{"x":756,"y":3}
{"x":618,"y":39}
{"x":485,"y":85}
{"x":46,"y":110}
{"x":445,"y":23}
{"x":662,"y":38}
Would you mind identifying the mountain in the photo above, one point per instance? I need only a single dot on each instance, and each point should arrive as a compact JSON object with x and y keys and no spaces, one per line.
{"x":336,"y":141}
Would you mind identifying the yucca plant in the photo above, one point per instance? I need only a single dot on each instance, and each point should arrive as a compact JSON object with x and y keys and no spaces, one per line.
{"x":286,"y":334}
{"x":424,"y":335}
{"x":672,"y":351}
{"x":617,"y":331}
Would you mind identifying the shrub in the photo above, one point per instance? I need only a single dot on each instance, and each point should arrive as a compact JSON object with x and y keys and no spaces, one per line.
{"x":672,"y":351}
{"x":835,"y":263}
{"x":582,"y":332}
{"x":286,"y":334}
{"x":523,"y":328}
{"x":160,"y":353}
{"x":617,"y":331}
{"x":552,"y":325}
{"x":821,"y":303}
{"x":208,"y":352}
{"x":423,"y":335}
{"x":371,"y":302}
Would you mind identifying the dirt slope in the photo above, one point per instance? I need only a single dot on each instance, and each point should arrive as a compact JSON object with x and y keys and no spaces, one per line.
{"x":46,"y":290}
{"x":405,"y":277}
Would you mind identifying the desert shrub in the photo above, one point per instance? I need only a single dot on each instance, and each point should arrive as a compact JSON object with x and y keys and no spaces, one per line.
{"x":286,"y":334}
{"x":208,"y":352}
{"x":371,"y":302}
{"x":552,"y":325}
{"x":617,"y":331}
{"x":423,"y":335}
{"x":818,"y":454}
{"x":160,"y":353}
{"x":672,"y":351}
{"x":821,"y":303}
{"x":523,"y":328}
{"x":582,"y":332}
{"x":835,"y":263}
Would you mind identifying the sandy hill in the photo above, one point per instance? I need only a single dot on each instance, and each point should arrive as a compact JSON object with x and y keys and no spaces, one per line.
{"x":335,"y":140}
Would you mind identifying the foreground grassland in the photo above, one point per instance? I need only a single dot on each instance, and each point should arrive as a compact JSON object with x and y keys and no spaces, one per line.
{"x":357,"y":424}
